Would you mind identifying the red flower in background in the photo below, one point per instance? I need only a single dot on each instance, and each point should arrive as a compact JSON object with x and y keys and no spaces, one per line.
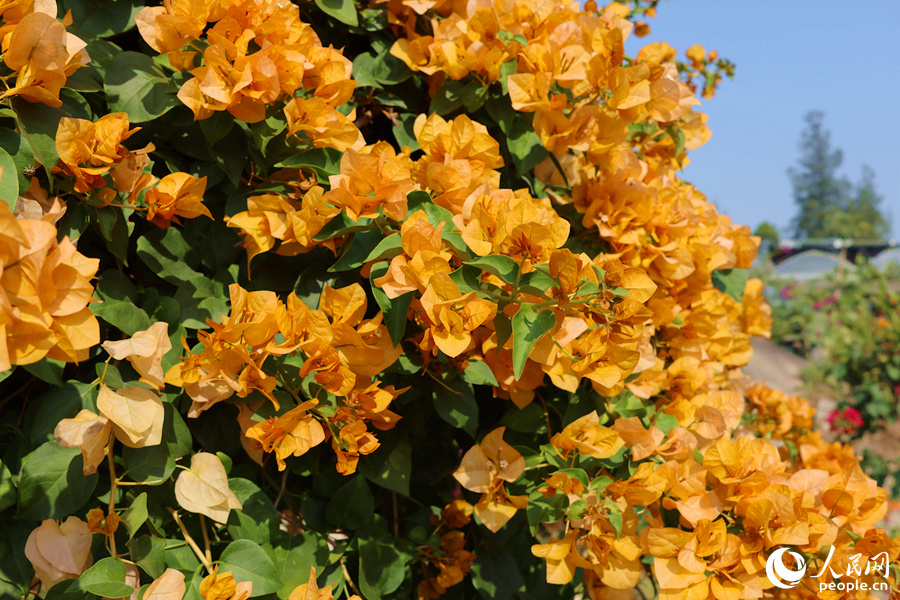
{"x":845,"y":420}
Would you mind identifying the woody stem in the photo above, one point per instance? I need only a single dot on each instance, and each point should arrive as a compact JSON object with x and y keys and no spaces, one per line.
{"x":190,"y":541}
{"x":206,"y":551}
{"x":349,"y":580}
{"x":113,"y":483}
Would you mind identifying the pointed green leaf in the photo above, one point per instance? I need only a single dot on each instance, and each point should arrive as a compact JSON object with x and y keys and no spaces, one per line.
{"x":528,"y":326}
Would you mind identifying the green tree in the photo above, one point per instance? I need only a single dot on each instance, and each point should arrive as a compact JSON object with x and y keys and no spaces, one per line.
{"x":830,"y":206}
{"x":818,"y":190}
{"x":862,"y":218}
{"x":768,"y":233}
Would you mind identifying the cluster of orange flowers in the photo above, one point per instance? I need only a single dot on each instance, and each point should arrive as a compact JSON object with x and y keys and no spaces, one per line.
{"x":45,"y":287}
{"x":92,"y":153}
{"x":451,"y":558}
{"x":256,"y":53}
{"x":39,"y":50}
{"x":597,"y":335}
{"x":342,"y":352}
{"x":742,"y":501}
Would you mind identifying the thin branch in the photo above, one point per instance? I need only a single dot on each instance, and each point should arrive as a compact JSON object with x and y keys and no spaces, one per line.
{"x":190,"y":541}
{"x":396,"y":518}
{"x":113,"y":482}
{"x":349,"y":580}
{"x":283,"y":487}
{"x":205,"y":539}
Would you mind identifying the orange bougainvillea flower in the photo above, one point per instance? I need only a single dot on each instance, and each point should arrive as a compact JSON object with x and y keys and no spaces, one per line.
{"x":176,"y":195}
{"x":59,"y":551}
{"x":323,"y":124}
{"x":43,"y":53}
{"x":453,"y":315}
{"x":144,"y":350}
{"x":223,"y":586}
{"x":44,"y":291}
{"x":291,"y":434}
{"x":88,"y":431}
{"x":88,"y":150}
{"x":204,"y":488}
{"x":588,"y":437}
{"x":484,"y":469}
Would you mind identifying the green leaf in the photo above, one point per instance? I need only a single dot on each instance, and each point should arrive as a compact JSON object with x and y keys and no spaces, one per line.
{"x":615,"y":519}
{"x":37,"y":123}
{"x":17,"y":148}
{"x":364,"y":67}
{"x":14,"y":565}
{"x":578,"y":474}
{"x":48,"y":370}
{"x":106,"y":578}
{"x":135,"y":515}
{"x":467,"y":279}
{"x":503,"y":327}
{"x":448,"y":98}
{"x":149,"y":553}
{"x":358,"y":249}
{"x":168,"y":255}
{"x":395,"y":310}
{"x":576,"y":510}
{"x":117,"y":308}
{"x":100,"y":17}
{"x":731,"y":281}
{"x":9,"y":181}
{"x":115,"y":228}
{"x":257,"y":518}
{"x":391,"y":466}
{"x":386,"y":249}
{"x":266,"y":130}
{"x":527,"y":420}
{"x":525,"y":146}
{"x":457,"y":405}
{"x":324,"y":161}
{"x":545,"y":510}
{"x":479,"y":373}
{"x":503,"y":267}
{"x":404,"y":132}
{"x":7,"y":488}
{"x":664,"y":422}
{"x":217,"y":126}
{"x":342,"y":10}
{"x":341,"y":225}
{"x":201,"y":298}
{"x":52,"y":485}
{"x":136,"y":86}
{"x":293,"y":565}
{"x":528,"y":326}
{"x":247,"y":561}
{"x":382,"y":567}
{"x":473,"y":95}
{"x":352,"y":505}
{"x":537,"y":283}
{"x":496,"y":575}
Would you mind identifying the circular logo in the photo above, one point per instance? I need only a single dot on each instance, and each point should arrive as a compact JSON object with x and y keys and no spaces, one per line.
{"x":779,"y":574}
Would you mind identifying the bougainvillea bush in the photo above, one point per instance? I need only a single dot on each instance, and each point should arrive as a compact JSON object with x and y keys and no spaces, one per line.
{"x":401,"y":299}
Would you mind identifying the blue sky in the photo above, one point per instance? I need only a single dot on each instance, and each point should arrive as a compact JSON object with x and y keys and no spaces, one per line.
{"x":791,"y":57}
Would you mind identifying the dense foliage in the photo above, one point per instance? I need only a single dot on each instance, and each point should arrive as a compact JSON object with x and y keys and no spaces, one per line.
{"x":393,"y":300}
